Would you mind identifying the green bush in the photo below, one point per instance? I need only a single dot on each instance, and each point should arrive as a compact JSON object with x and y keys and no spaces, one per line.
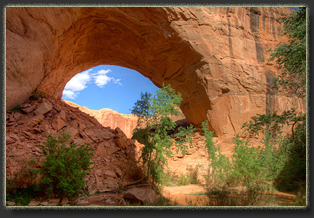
{"x":65,"y":167}
{"x":293,"y":173}
{"x":61,"y":175}
{"x":291,"y":82}
{"x":22,"y":188}
{"x":37,"y":94}
{"x":251,"y":168}
{"x":172,"y":179}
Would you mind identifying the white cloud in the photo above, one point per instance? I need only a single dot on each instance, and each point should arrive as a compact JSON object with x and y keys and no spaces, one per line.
{"x":79,"y":81}
{"x":117,"y":81}
{"x":104,"y":72}
{"x":77,"y":84}
{"x":101,"y":78}
{"x":69,"y":94}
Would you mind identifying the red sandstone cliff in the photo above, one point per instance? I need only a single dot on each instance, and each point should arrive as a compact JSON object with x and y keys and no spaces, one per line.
{"x":111,"y":118}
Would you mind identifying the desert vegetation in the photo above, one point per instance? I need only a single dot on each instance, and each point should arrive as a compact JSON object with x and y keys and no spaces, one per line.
{"x":60,"y":174}
{"x":253,"y":172}
{"x":248,"y":178}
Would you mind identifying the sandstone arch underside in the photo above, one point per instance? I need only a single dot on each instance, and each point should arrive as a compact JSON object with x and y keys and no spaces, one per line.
{"x":215,"y":56}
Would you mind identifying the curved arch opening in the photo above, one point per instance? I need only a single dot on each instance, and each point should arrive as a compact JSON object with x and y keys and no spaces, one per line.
{"x":107,"y":86}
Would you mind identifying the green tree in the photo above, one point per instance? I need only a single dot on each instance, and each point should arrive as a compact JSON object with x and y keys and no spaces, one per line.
{"x":142,"y":108}
{"x":291,"y":56}
{"x":154,"y":127}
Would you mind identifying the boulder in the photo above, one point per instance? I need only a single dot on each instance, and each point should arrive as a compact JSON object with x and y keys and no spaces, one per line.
{"x":10,"y":140}
{"x":110,"y":174}
{"x":120,"y":139}
{"x":99,"y":134}
{"x":73,"y":132}
{"x":102,"y":149}
{"x":110,"y":183}
{"x":58,"y":123}
{"x":35,"y":120}
{"x":57,"y":107}
{"x":142,"y":195}
{"x":29,"y":109}
{"x":43,"y":108}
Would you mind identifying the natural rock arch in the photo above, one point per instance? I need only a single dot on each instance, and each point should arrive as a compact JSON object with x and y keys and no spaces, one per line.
{"x":214,"y":56}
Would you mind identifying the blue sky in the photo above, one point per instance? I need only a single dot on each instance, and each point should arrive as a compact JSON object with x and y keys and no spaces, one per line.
{"x":107,"y":86}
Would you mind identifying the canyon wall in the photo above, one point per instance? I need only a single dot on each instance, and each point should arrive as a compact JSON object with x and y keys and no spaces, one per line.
{"x":215,"y":56}
{"x":110,"y":118}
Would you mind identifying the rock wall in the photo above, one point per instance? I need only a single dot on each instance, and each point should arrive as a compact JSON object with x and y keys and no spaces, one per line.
{"x":215,"y":56}
{"x":114,"y":154}
{"x":111,"y":118}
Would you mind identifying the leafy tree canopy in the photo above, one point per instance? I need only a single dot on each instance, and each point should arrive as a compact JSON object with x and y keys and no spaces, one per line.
{"x":291,"y":56}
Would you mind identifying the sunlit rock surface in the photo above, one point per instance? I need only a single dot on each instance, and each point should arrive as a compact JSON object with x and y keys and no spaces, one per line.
{"x":215,"y":56}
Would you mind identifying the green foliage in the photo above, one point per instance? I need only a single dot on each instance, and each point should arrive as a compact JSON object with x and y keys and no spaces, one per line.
{"x":37,"y":94}
{"x":250,"y":167}
{"x":153,"y":129}
{"x":22,"y":188}
{"x":219,"y":164}
{"x":61,"y":175}
{"x":21,"y":196}
{"x":291,"y":56}
{"x":18,"y":108}
{"x":256,"y":165}
{"x":65,"y":166}
{"x":171,"y":179}
{"x":293,"y":174}
{"x":272,"y":122}
{"x":142,"y":108}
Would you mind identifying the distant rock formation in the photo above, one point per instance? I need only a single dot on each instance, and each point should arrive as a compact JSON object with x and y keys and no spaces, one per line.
{"x":110,"y":118}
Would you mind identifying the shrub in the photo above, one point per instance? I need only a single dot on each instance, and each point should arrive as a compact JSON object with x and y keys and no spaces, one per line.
{"x":249,"y":169}
{"x":23,"y":187}
{"x":61,"y":175}
{"x":65,"y":166}
{"x":18,"y":108}
{"x":293,"y":173}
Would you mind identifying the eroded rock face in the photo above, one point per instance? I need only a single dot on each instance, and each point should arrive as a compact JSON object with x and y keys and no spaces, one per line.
{"x":113,"y":154}
{"x":111,"y":118}
{"x":215,"y":56}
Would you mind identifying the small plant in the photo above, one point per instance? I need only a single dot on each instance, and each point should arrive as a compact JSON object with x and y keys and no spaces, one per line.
{"x":22,"y":187}
{"x":162,"y":201}
{"x":300,"y":199}
{"x":169,"y":179}
{"x":18,"y":108}
{"x":37,"y":94}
